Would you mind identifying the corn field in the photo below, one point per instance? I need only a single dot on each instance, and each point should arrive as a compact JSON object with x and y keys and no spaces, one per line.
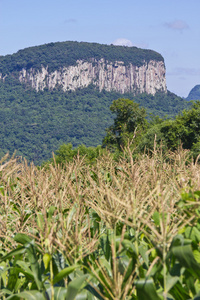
{"x":112,"y":230}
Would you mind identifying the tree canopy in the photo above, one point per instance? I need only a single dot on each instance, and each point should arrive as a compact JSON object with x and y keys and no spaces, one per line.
{"x":35,"y":124}
{"x":60,"y":54}
{"x":130,"y":121}
{"x":131,"y":125}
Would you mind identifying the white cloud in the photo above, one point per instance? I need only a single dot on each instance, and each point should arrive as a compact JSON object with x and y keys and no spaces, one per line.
{"x":179,"y":25}
{"x":122,"y":42}
{"x":128,"y":43}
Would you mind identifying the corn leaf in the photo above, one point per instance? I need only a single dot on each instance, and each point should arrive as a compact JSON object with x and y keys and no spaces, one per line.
{"x":146,"y":290}
{"x":93,"y":292}
{"x":75,"y":286}
{"x":22,"y":238}
{"x":171,"y":281}
{"x":28,"y":295}
{"x":18,"y":251}
{"x":65,"y":272}
{"x":32,"y":257}
{"x":185,"y":256}
{"x":59,"y":293}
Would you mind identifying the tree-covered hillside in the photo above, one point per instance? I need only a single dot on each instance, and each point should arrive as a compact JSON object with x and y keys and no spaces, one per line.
{"x":194,"y":94}
{"x":36,"y":123}
{"x":60,"y":54}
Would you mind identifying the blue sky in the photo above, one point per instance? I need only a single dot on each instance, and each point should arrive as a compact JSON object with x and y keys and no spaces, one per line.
{"x":170,"y":27}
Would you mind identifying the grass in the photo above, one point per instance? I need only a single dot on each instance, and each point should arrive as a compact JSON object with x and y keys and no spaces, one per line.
{"x":116,"y":223}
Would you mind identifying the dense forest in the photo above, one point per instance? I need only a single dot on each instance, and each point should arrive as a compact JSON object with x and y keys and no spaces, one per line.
{"x":133,"y":130}
{"x":56,"y":55}
{"x":37,"y":123}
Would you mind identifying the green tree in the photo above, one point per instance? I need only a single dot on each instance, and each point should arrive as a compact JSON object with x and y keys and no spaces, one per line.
{"x":183,"y":130}
{"x":66,"y":153}
{"x":129,"y":124}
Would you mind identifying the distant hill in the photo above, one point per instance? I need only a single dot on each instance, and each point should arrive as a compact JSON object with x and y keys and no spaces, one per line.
{"x":194,"y":94}
{"x":73,"y":65}
{"x":61,"y":92}
{"x":57,"y":55}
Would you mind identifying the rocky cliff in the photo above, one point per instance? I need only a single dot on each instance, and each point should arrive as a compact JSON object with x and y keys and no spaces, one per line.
{"x":149,"y":78}
{"x":72,"y":65}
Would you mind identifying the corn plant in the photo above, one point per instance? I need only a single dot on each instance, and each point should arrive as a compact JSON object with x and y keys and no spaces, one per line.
{"x":114,"y":230}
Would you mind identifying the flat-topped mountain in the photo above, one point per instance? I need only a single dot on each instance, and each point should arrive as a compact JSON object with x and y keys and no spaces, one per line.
{"x":61,"y":93}
{"x":73,"y":65}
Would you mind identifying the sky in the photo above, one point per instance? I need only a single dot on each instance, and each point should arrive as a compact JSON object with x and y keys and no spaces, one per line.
{"x":170,"y":27}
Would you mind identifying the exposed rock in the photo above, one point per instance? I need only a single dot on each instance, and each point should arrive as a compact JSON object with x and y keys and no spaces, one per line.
{"x":3,"y":77}
{"x":117,"y":76}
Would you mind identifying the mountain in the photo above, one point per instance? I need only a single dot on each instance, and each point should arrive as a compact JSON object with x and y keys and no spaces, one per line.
{"x":73,"y":65}
{"x":61,"y":92}
{"x":194,"y":94}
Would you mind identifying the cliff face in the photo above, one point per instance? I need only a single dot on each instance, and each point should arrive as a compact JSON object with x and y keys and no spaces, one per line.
{"x":149,"y":78}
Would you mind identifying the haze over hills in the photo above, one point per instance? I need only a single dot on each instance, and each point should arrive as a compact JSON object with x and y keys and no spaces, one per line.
{"x":61,"y":92}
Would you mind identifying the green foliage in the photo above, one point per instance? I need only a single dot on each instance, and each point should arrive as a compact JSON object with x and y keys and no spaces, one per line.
{"x":66,"y":153}
{"x":35,"y":124}
{"x":129,"y":122}
{"x":162,"y":104}
{"x":58,"y":55}
{"x":127,"y":112}
{"x":183,"y":131}
{"x":39,"y":284}
{"x":125,"y":230}
{"x":194,"y":94}
{"x":131,"y":127}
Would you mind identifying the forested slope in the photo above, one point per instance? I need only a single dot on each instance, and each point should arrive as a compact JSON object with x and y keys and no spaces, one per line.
{"x":194,"y":94}
{"x":36,"y":123}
